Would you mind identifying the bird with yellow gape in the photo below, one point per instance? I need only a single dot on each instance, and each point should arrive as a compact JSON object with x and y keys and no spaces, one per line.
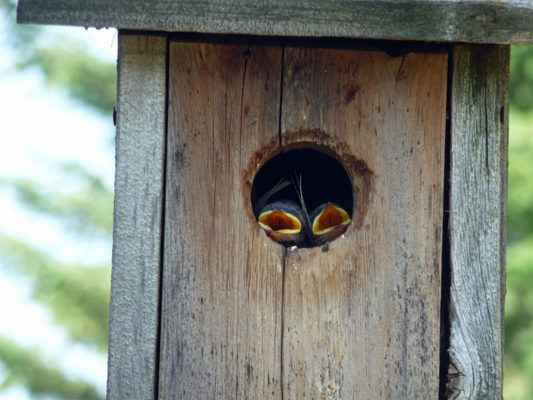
{"x":303,"y":197}
{"x":289,"y":224}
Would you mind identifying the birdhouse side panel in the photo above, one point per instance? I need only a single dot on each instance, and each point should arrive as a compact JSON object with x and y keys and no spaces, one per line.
{"x":138,"y":213}
{"x":478,"y":194}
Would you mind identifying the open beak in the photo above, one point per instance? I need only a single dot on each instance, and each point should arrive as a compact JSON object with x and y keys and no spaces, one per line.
{"x":329,"y":223}
{"x":281,"y":222}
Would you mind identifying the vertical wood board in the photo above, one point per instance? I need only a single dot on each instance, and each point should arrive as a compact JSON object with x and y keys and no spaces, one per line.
{"x":244,"y":318}
{"x":477,"y":227}
{"x":223,"y":278}
{"x":361,"y":320}
{"x":137,"y":217}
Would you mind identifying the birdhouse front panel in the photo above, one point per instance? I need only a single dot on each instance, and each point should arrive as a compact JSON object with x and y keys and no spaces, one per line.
{"x":350,"y":309}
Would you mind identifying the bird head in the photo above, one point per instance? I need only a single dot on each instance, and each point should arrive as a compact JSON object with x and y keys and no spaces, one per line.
{"x":282,"y":221}
{"x":328,"y":222}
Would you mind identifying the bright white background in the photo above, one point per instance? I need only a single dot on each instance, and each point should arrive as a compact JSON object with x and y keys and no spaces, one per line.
{"x":39,"y":125}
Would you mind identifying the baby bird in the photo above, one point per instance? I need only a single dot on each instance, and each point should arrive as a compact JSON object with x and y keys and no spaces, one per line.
{"x":283,"y":222}
{"x":328,"y":222}
{"x":289,"y":224}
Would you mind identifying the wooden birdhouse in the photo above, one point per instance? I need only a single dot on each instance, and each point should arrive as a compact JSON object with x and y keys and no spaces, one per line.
{"x":238,"y":123}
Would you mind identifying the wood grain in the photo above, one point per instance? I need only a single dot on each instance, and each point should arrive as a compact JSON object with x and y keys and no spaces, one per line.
{"x":137,"y":217}
{"x":361,"y":320}
{"x":223,"y":278}
{"x":477,"y":227}
{"x":481,"y":21}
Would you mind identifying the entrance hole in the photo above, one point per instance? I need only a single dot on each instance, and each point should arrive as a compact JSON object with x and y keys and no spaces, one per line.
{"x":321,"y":178}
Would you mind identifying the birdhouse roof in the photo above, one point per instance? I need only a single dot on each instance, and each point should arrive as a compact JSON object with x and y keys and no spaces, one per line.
{"x":474,"y":21}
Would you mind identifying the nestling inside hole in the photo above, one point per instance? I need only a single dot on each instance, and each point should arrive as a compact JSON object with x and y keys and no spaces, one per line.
{"x":303,"y":198}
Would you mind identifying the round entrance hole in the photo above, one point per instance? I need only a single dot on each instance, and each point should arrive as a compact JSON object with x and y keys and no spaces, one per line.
{"x":303,"y":197}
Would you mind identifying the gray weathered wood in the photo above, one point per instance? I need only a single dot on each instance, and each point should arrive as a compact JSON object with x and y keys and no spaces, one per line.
{"x":362,"y":319}
{"x":477,"y":230}
{"x":137,"y":218}
{"x":222,"y":277}
{"x":481,"y":21}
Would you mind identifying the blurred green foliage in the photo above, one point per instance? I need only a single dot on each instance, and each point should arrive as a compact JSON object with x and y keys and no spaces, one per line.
{"x":518,"y":377}
{"x":66,"y":64}
{"x":522,"y":78}
{"x":85,"y":77}
{"x":41,"y":377}
{"x":76,"y":295}
{"x":80,"y":199}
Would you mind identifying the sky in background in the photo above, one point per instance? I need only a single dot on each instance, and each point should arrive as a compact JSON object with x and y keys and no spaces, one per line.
{"x":39,"y":127}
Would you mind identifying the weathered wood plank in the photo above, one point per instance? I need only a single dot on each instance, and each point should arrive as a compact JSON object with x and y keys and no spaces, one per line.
{"x":137,"y":219}
{"x":481,"y":21}
{"x":223,"y":278}
{"x":362,"y":319}
{"x":477,"y":230}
